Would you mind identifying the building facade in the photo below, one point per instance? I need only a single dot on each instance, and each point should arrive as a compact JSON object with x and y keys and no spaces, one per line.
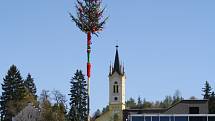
{"x":172,"y":117}
{"x":29,"y":113}
{"x":186,"y":108}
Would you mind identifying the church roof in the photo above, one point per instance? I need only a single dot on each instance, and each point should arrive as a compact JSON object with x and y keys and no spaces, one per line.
{"x":116,"y":62}
{"x":117,"y":66}
{"x":146,"y":111}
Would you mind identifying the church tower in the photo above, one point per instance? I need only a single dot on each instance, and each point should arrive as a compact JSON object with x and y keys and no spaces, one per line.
{"x":117,"y":86}
{"x":116,"y":92}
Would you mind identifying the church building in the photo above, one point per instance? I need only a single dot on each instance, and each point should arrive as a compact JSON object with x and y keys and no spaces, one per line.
{"x":189,"y":110}
{"x":116,"y":92}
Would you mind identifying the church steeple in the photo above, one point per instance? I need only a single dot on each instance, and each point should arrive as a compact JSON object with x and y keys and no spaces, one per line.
{"x":117,"y":67}
{"x":117,"y":85}
{"x":116,"y":62}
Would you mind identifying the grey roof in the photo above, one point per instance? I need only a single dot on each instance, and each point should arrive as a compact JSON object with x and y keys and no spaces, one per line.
{"x":189,"y":102}
{"x":146,"y":111}
{"x":194,"y":101}
{"x":162,"y":110}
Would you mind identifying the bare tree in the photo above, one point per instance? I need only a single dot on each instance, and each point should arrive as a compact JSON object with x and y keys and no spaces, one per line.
{"x":44,"y":96}
{"x":58,"y":97}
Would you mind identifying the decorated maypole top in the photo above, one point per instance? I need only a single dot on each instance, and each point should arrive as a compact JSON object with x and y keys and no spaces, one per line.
{"x":89,"y":16}
{"x":89,"y":20}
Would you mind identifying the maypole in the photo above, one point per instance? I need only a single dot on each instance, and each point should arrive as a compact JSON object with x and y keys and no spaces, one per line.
{"x":88,"y":71}
{"x":89,"y":20}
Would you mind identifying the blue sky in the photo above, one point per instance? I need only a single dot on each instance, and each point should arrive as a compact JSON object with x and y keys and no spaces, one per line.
{"x":164,"y":44}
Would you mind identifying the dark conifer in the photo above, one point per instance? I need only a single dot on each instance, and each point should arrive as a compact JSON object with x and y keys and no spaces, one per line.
{"x":13,"y":90}
{"x":30,"y":85}
{"x":78,"y":98}
{"x":207,"y":90}
{"x":139,"y":103}
{"x":211,"y":103}
{"x":130,"y":103}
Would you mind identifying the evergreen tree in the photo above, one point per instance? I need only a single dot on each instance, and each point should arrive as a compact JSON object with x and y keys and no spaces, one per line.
{"x":78,"y":98}
{"x":13,"y":91}
{"x":31,"y":87}
{"x":146,"y":104}
{"x":139,"y":103}
{"x":211,"y":103}
{"x":96,"y":115}
{"x":167,"y":102}
{"x":130,"y":103}
{"x":105,"y":109}
{"x":176,"y":97}
{"x":207,"y":90}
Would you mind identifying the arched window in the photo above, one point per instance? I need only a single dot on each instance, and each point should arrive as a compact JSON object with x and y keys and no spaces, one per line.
{"x":115,"y":87}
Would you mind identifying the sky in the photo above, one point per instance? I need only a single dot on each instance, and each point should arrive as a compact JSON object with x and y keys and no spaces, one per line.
{"x":165,"y":45}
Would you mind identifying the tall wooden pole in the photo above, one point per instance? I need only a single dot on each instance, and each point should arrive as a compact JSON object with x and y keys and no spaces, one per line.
{"x":88,"y":72}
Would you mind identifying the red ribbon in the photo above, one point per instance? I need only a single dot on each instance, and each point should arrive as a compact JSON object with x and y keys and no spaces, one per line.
{"x":88,"y":69}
